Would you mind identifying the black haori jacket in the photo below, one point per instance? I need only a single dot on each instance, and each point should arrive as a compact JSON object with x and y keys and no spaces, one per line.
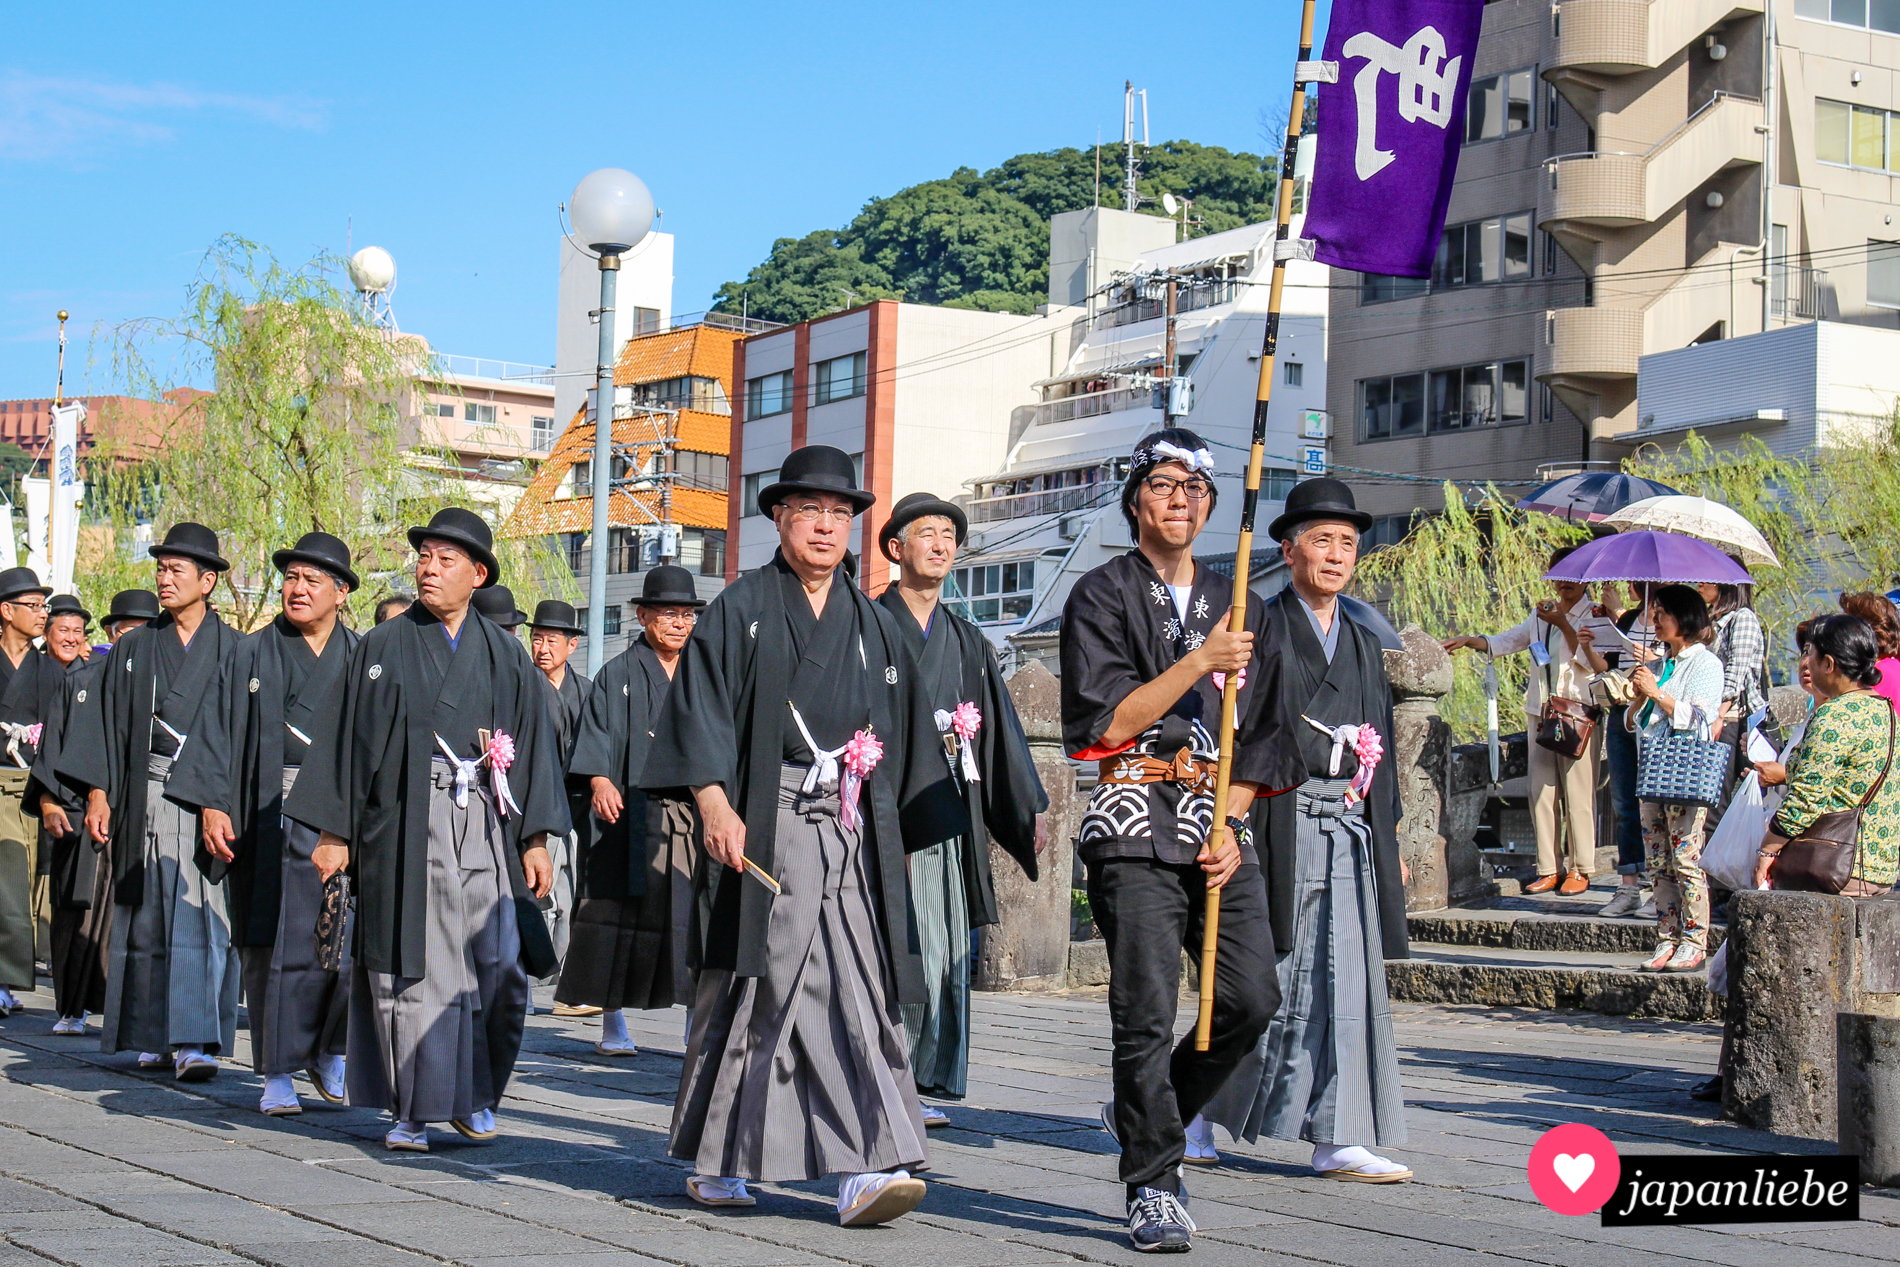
{"x":611,"y":740}
{"x":726,"y":722}
{"x":236,"y":763}
{"x":107,"y":747}
{"x":367,"y":777}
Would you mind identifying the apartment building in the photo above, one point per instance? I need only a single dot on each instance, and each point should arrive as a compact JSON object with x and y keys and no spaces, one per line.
{"x":484,"y":422}
{"x":923,"y":397}
{"x":1637,"y":176}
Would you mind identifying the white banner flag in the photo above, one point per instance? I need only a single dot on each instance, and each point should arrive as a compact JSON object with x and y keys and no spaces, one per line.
{"x":68,"y":493}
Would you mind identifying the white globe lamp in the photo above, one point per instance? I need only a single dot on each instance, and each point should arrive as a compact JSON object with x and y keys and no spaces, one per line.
{"x":611,"y":211}
{"x":372,"y":270}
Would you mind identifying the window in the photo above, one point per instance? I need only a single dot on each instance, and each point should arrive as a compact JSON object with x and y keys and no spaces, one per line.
{"x":703,"y":394}
{"x":480,"y":414}
{"x":1377,"y":288}
{"x":646,"y":320}
{"x":749,"y":491}
{"x":1294,"y":372}
{"x":1857,"y":136}
{"x":767,"y":395}
{"x":1880,"y":15}
{"x":1480,"y":251}
{"x":1883,"y":274}
{"x":440,"y":409}
{"x":700,"y":470}
{"x":623,"y":551}
{"x":1550,"y":254}
{"x":542,"y":430}
{"x":1551,"y":98}
{"x":1499,"y":105}
{"x":1278,"y":482}
{"x":572,"y":546}
{"x":998,"y":591}
{"x":703,"y":550}
{"x":609,"y":625}
{"x":840,"y":377}
{"x":1456,"y":398}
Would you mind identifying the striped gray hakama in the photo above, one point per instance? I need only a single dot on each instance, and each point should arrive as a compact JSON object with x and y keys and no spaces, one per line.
{"x":559,"y":913}
{"x":172,"y":980}
{"x":298,"y":1011}
{"x":442,"y":1047}
{"x":1327,"y":1070}
{"x":805,"y":1071}
{"x":939,"y":1028}
{"x":19,"y":864}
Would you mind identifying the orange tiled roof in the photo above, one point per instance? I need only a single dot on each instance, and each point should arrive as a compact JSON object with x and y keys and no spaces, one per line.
{"x":538,"y":513}
{"x":701,"y":351}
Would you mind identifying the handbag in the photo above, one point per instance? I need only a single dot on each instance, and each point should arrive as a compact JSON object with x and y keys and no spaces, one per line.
{"x":1821,"y":859}
{"x":1683,"y":768}
{"x":1566,"y":725}
{"x":333,"y":923}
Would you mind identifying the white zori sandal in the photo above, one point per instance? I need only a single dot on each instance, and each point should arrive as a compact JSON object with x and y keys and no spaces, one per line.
{"x":877,"y":1197}
{"x":1357,"y":1165}
{"x":708,"y":1190}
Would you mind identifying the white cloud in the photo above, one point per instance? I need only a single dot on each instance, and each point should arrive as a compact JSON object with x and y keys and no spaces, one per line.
{"x":47,"y":118}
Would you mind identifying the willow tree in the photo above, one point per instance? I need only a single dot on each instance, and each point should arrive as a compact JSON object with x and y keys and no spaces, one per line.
{"x":312,"y":423}
{"x":1477,"y":568}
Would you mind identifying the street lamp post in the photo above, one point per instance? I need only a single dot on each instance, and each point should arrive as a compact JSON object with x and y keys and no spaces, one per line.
{"x":611,"y":212}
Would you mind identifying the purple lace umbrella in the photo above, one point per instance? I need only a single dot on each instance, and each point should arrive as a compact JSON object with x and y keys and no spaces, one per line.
{"x":1652,"y":558}
{"x":1592,"y":496}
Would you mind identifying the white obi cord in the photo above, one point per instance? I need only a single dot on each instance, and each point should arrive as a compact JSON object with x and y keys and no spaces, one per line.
{"x":17,"y":733}
{"x":948,"y":724}
{"x":177,"y":738}
{"x":1364,"y":740}
{"x":465,"y":772}
{"x":823,"y":772}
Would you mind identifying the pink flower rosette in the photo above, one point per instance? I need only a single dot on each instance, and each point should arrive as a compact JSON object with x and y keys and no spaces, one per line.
{"x":861,"y":756}
{"x":500,"y":755}
{"x":965,"y":722}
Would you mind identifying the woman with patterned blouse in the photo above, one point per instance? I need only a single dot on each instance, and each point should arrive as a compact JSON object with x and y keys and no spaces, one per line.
{"x":1683,"y":694}
{"x":1845,"y":750}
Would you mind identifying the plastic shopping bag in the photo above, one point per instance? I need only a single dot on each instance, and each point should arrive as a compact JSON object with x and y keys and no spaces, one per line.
{"x":1729,"y":857}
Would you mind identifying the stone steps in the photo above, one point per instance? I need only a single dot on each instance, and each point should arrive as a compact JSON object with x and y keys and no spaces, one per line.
{"x":1605,"y":982}
{"x":1530,"y":924}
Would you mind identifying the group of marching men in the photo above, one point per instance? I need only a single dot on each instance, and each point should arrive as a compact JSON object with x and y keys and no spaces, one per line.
{"x":777,"y":808}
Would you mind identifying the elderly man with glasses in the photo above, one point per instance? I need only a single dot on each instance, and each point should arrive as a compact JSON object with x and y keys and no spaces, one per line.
{"x":798,"y":720}
{"x":29,"y":683}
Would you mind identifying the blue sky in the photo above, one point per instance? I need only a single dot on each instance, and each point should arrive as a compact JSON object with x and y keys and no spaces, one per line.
{"x":131,"y":136}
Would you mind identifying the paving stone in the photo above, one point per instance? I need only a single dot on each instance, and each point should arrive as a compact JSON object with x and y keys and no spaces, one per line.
{"x":345,"y":1253}
{"x":122,"y":1245}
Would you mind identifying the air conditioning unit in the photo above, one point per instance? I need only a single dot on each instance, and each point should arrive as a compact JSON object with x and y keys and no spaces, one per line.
{"x":1072,"y":526}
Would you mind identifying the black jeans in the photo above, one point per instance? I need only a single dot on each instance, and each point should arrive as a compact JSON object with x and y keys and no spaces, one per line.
{"x":1149,"y":911}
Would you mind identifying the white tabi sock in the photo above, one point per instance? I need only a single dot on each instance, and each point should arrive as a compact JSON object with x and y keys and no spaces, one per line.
{"x":613,"y":1026}
{"x":187,"y":1052}
{"x":278,"y":1089}
{"x":1351,"y":1157}
{"x":851,"y":1188}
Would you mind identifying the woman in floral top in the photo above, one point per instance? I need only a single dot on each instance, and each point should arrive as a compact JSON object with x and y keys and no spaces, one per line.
{"x":1845,"y":750}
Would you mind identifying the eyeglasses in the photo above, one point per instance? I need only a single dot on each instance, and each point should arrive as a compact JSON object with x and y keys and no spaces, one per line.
{"x":811,"y":513}
{"x":677,"y":617}
{"x":1194,"y":486}
{"x":37,"y":605}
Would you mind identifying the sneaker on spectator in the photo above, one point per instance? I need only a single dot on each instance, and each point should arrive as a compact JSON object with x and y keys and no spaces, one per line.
{"x":1687,"y":958}
{"x":1626,"y":899}
{"x":1664,"y":956}
{"x":1647,"y":910}
{"x":1158,"y":1222}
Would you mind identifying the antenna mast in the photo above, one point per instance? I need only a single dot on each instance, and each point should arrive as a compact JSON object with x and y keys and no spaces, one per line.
{"x":1131,"y":195}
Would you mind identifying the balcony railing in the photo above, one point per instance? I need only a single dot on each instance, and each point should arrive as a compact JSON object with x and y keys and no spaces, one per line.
{"x":1092,"y":404}
{"x":1800,"y":293}
{"x":1042,"y":501}
{"x":505,"y":371}
{"x":1188,"y":296}
{"x":723,"y":321}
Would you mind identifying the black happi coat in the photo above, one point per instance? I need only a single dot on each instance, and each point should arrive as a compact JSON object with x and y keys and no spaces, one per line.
{"x":726,"y":721}
{"x":366,"y":779}
{"x":615,"y":732}
{"x":269,"y":682}
{"x":958,"y":665}
{"x":149,"y":673}
{"x":74,"y":857}
{"x":1352,"y":690}
{"x":1120,"y":630}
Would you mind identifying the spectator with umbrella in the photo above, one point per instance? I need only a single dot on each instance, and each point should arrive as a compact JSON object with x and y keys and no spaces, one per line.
{"x":1591,"y":497}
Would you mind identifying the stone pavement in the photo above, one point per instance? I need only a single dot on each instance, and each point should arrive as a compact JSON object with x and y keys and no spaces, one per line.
{"x":105,"y":1167}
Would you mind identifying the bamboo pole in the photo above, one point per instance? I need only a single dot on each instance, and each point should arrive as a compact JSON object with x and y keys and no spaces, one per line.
{"x":1237,"y":616}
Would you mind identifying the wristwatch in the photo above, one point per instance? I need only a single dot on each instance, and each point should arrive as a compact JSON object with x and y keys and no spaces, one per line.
{"x":1243,"y":834}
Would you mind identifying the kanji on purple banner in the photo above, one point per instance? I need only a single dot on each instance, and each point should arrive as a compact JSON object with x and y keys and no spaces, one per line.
{"x":1389,"y":131}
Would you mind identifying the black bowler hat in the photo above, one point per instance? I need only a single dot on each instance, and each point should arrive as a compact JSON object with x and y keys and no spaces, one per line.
{"x":816,"y":468}
{"x":322,"y":550}
{"x":192,"y":541}
{"x":1321,"y":498}
{"x":67,"y":605}
{"x":916,"y":506}
{"x":669,"y":586}
{"x":498,"y":604}
{"x":131,"y":605}
{"x":17,"y":581}
{"x":552,"y":613}
{"x":466,"y":529}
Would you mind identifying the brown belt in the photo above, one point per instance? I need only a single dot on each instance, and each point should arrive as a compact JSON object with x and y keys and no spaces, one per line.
{"x":1197,"y":776}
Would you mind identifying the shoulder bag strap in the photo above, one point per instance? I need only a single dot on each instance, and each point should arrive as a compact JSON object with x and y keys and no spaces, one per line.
{"x":1874,"y":791}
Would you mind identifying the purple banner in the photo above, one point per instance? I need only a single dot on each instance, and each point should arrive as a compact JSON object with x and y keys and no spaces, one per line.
{"x":1390,"y":131}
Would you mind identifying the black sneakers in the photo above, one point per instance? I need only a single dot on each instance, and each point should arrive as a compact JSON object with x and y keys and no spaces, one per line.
{"x":1158,"y":1222}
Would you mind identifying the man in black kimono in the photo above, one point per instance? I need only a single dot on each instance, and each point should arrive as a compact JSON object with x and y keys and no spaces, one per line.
{"x":28,"y":680}
{"x":799,"y":722}
{"x":63,"y":649}
{"x":1145,"y":652}
{"x":80,"y":875}
{"x":172,"y":981}
{"x":636,"y":914}
{"x":434,"y":780}
{"x":951,"y":888}
{"x":252,"y":748}
{"x":1327,"y":1070}
{"x":552,"y":636}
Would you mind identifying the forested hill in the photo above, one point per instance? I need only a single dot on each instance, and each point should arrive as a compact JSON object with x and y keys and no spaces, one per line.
{"x":981,"y":240}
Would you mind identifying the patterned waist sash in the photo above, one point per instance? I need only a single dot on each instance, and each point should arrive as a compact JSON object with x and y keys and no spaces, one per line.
{"x":1195,"y":775}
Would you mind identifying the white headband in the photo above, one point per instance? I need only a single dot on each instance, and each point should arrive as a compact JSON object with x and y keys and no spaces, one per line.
{"x":1161,"y":451}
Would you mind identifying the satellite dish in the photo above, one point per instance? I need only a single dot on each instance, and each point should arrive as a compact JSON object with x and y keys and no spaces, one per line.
{"x":372,"y":271}
{"x":1169,"y":205}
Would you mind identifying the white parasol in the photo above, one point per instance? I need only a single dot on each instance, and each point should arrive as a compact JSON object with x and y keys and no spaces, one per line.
{"x":1698,"y":517}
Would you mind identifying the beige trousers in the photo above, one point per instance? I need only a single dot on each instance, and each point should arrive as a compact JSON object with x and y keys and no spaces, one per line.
{"x":1575,"y":801}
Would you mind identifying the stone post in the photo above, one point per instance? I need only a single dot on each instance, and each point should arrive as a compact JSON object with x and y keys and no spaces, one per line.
{"x":1869,"y":1095}
{"x":1421,"y":750}
{"x":1791,"y":970}
{"x":1029,"y":948}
